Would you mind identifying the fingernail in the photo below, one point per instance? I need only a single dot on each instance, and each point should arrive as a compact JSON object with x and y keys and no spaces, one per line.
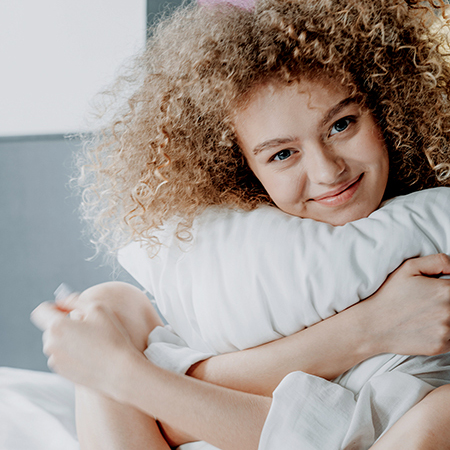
{"x":62,"y":292}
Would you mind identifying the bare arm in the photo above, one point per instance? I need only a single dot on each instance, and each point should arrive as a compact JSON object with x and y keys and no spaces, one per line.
{"x":104,"y":423}
{"x":410,"y":314}
{"x":96,"y":352}
{"x":423,"y":427}
{"x":395,"y":320}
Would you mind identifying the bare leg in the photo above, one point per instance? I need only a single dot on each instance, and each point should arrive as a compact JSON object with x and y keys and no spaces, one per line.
{"x":103,"y":423}
{"x":424,"y":427}
{"x":99,"y":353}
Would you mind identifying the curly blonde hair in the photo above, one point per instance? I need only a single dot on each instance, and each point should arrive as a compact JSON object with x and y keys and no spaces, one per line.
{"x":171,"y":150}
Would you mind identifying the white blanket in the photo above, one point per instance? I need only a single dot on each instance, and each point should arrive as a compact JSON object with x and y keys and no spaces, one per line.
{"x":37,"y":411}
{"x":250,"y":278}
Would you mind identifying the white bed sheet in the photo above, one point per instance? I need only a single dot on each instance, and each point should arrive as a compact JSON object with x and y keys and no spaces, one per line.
{"x":37,"y":411}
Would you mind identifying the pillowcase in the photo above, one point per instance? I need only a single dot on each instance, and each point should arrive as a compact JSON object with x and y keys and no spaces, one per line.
{"x":252,"y":277}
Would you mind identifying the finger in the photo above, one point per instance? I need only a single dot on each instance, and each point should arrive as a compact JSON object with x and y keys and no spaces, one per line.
{"x":431,"y":265}
{"x":51,"y":363}
{"x":62,"y":291}
{"x":105,"y":316}
{"x":46,"y":343}
{"x":68,"y":303}
{"x":45,"y":315}
{"x":76,"y":314}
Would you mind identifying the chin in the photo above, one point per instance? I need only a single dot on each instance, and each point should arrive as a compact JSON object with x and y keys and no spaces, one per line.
{"x":332,"y":217}
{"x":347,"y":218}
{"x":340,"y":218}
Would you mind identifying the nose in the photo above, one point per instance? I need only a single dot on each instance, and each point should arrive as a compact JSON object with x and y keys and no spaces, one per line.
{"x":324,"y":165}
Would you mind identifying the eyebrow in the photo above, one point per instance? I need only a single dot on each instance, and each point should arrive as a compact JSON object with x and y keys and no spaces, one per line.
{"x":271,"y":143}
{"x":276,"y":142}
{"x":338,"y":108}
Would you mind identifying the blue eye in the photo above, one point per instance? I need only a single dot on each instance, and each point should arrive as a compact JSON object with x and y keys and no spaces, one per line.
{"x":282,"y":155}
{"x":341,"y":125}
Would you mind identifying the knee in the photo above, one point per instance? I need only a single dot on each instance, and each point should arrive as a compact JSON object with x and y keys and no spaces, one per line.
{"x":124,"y":299}
{"x":115,"y":294}
{"x":435,"y":404}
{"x":432,"y":420}
{"x":130,"y":305}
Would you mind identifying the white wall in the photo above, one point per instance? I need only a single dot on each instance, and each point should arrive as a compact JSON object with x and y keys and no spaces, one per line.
{"x":55,"y":55}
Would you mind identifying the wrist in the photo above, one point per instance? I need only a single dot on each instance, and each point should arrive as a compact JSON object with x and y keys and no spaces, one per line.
{"x":368,"y":329}
{"x":120,"y":385}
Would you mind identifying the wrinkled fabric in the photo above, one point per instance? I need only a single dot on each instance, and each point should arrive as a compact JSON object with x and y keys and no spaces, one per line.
{"x":248,"y":278}
{"x":311,"y":413}
{"x":37,"y":411}
{"x":252,"y":277}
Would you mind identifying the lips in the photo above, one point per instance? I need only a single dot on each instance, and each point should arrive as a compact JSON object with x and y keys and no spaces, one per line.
{"x":340,"y":195}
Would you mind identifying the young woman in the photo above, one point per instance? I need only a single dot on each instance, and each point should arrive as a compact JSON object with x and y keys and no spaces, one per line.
{"x":333,"y":108}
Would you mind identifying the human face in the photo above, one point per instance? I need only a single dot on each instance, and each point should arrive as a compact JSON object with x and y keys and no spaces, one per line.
{"x":316,"y":151}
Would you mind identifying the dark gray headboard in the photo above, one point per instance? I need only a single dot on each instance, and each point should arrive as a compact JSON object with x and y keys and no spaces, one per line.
{"x":40,"y":241}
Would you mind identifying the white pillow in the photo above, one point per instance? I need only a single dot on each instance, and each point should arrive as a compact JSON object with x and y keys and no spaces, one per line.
{"x":251,"y":277}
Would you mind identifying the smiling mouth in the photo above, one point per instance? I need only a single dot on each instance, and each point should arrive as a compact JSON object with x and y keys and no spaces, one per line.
{"x":341,"y":195}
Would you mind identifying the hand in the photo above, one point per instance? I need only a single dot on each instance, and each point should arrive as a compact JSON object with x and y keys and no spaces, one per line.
{"x":88,"y":351}
{"x":410,"y":313}
{"x":131,"y":307}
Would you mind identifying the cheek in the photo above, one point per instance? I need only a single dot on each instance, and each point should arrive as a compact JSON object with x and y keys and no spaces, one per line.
{"x":378,"y":148}
{"x":273,"y":188}
{"x":382,"y":162}
{"x":378,"y":163}
{"x":373,"y":152}
{"x":283,"y":190}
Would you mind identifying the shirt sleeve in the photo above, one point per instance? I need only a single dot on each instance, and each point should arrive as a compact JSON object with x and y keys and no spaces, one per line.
{"x":311,"y":413}
{"x":168,"y":351}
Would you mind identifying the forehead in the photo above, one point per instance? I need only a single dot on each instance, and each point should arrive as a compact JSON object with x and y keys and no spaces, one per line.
{"x":313,"y":94}
{"x":273,"y":109}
